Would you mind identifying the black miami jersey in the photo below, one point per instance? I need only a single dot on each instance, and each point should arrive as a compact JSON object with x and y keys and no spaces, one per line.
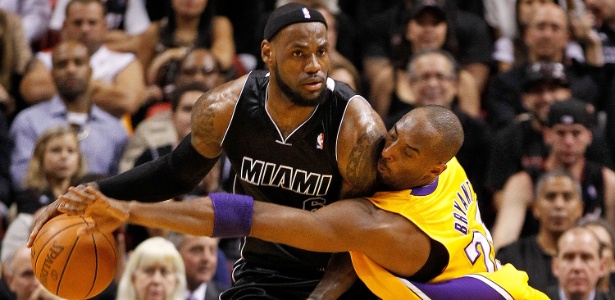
{"x":298,"y":171}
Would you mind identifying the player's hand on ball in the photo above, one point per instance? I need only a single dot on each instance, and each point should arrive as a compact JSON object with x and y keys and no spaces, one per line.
{"x":50,"y":211}
{"x":108,"y":214}
{"x":75,"y":201}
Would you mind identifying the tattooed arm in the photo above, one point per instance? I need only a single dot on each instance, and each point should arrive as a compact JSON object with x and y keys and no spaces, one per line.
{"x":211,"y":116}
{"x":180,"y":171}
{"x":359,"y":147}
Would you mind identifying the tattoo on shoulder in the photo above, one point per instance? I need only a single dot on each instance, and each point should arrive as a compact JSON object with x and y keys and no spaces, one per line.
{"x":204,"y":116}
{"x":361,"y":167}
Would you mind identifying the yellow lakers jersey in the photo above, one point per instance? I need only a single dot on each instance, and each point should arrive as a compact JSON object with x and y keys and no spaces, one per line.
{"x":446,"y":211}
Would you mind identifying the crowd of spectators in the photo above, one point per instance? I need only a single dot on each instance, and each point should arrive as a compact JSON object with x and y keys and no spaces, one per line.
{"x":96,"y":87}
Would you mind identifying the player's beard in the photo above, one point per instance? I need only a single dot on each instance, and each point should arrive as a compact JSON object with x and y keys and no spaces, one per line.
{"x":295,"y":97}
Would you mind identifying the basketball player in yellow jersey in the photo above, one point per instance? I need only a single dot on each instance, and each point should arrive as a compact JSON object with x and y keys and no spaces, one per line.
{"x":446,"y":211}
{"x":422,"y":240}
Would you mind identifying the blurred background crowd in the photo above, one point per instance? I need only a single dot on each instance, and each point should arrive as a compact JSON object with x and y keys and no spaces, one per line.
{"x":91,"y":88}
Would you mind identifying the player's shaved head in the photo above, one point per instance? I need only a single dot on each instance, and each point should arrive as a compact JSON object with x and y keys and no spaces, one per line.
{"x":442,"y":126}
{"x":419,"y":146}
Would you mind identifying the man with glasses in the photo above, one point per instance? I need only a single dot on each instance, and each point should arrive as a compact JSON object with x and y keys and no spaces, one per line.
{"x":434,"y":78}
{"x":199,"y":69}
{"x":200,"y":65}
{"x":194,"y":65}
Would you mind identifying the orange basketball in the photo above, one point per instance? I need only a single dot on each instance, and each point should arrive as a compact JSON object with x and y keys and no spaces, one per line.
{"x":72,"y":266}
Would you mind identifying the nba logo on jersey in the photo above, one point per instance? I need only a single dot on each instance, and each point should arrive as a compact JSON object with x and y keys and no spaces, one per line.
{"x":306,"y":13}
{"x":320,"y":141}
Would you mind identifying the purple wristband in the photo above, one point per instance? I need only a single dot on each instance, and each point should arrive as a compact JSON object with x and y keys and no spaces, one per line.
{"x":232,"y":214}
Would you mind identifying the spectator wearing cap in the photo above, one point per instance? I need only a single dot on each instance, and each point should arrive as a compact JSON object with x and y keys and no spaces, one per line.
{"x":428,"y":28}
{"x":385,"y":31}
{"x":520,"y":146}
{"x":568,"y":134}
{"x":545,"y":38}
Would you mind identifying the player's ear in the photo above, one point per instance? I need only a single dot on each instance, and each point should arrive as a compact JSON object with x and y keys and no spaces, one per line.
{"x":266,"y":52}
{"x":438,"y":169}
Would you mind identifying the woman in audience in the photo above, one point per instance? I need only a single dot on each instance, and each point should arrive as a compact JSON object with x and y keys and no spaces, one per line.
{"x":162,"y":47}
{"x":55,"y":163}
{"x":428,"y":27}
{"x":189,"y":24}
{"x":155,"y":270}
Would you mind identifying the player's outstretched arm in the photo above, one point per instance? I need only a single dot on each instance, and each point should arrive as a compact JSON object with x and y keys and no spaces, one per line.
{"x":346,"y":225}
{"x":228,"y":215}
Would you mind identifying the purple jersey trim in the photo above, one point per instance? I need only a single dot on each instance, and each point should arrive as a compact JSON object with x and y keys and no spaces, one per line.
{"x":459,"y":288}
{"x":426,"y":189}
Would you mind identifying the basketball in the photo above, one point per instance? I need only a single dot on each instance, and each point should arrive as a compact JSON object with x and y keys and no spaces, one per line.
{"x":72,"y":266}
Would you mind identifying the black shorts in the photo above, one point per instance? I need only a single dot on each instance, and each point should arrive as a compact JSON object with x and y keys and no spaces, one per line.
{"x":252,"y":282}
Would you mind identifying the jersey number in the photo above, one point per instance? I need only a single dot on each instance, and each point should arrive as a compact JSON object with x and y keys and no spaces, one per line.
{"x":473,"y":253}
{"x":313,"y":204}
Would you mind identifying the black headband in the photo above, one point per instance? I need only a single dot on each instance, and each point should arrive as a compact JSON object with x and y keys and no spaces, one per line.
{"x":289,"y":14}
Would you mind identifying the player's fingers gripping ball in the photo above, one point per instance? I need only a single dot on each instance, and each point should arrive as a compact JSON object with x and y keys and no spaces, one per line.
{"x":73,"y":266}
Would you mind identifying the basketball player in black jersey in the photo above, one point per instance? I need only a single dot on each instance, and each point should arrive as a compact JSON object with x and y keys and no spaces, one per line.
{"x":294,"y":137}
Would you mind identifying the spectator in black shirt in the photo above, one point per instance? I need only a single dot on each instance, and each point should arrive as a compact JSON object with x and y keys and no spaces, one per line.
{"x":557,"y":206}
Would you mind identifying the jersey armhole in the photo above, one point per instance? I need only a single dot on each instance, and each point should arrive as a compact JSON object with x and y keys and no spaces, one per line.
{"x":234,"y":110}
{"x":435,"y":264}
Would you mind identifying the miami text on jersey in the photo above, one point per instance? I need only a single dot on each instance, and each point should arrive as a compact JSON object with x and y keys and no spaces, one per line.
{"x":264,"y":173}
